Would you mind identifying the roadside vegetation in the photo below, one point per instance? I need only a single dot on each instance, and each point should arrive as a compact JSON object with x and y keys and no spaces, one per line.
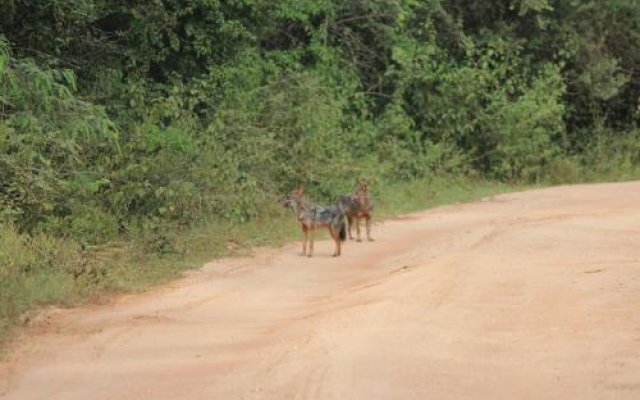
{"x":139,"y":138}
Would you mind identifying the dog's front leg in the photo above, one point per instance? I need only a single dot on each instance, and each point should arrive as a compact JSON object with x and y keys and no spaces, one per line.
{"x":311,"y":233}
{"x":304,"y":242}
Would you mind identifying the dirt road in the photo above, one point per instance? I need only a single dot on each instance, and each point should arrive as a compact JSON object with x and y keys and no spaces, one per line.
{"x":531,"y":295}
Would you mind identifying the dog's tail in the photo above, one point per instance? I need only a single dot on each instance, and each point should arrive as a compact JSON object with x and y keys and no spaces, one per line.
{"x":343,"y":231}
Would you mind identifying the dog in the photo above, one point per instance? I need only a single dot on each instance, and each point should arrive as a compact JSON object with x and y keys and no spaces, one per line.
{"x":311,"y":217}
{"x":357,"y":205}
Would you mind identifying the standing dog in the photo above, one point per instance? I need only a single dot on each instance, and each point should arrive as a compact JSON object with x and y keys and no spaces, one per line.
{"x":358,"y":205}
{"x":311,"y":217}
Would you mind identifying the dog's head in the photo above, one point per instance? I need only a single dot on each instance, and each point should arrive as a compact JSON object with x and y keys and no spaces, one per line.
{"x":362,"y":188}
{"x":290,"y":200}
{"x":298,"y":192}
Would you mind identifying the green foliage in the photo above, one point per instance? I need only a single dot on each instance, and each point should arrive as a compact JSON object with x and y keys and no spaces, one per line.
{"x":124,"y":116}
{"x":612,"y":155}
{"x":527,"y":6}
{"x":524,"y":129}
{"x":55,"y":147}
{"x":33,"y":270}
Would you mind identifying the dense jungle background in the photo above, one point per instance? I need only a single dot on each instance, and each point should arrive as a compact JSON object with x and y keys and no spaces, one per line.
{"x":170,"y":127}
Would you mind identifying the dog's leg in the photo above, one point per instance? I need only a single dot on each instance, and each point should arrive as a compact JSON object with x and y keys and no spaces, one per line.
{"x":311,"y":233}
{"x":304,"y":242}
{"x":358,"y":229}
{"x":335,"y":235}
{"x":368,"y":221}
{"x":350,"y":228}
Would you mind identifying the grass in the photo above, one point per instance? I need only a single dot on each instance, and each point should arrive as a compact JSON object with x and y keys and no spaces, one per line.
{"x":417,"y":195}
{"x":40,"y":271}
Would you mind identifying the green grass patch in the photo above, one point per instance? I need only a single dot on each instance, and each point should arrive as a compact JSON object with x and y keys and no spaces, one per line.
{"x":397,"y":198}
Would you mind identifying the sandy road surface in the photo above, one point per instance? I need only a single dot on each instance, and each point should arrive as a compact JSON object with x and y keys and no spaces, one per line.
{"x":523,"y":296}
